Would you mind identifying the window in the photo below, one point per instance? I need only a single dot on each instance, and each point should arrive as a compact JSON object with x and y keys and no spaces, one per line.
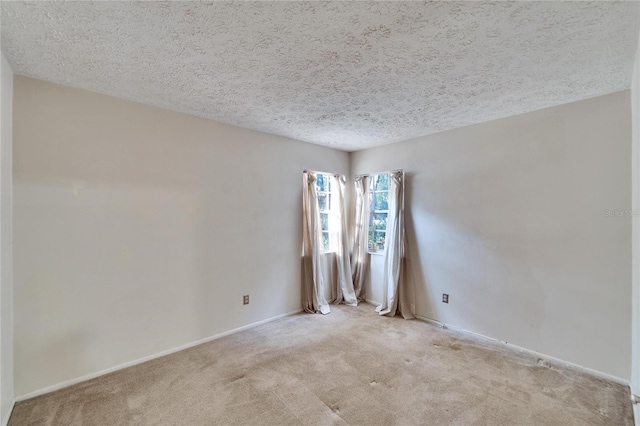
{"x":379,"y":210}
{"x":323,"y":189}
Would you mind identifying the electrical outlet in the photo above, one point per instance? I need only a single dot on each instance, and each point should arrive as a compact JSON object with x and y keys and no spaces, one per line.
{"x":245,"y":299}
{"x":445,"y":298}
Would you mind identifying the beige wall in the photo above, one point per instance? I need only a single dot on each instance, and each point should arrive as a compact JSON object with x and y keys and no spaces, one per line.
{"x":138,"y":229}
{"x":635,"y":330}
{"x":6,"y":260}
{"x":509,"y":218}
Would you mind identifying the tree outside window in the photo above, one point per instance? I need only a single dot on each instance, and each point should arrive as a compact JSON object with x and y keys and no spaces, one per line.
{"x":379,"y":208}
{"x":323,"y":189}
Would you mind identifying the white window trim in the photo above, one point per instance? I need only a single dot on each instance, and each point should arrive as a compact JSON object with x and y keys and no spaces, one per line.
{"x":329,"y":211}
{"x":372,"y":212}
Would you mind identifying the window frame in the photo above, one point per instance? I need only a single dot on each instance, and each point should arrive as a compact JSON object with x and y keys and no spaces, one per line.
{"x":328,"y":211}
{"x":372,"y":191}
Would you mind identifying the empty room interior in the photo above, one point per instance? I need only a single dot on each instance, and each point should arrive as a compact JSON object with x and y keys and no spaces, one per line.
{"x":319,"y":213}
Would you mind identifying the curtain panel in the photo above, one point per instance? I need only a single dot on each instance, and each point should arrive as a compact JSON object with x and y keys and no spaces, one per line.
{"x":342,"y":289}
{"x":313,"y":261}
{"x":317,"y":273}
{"x":359,"y":252}
{"x":397,"y":291}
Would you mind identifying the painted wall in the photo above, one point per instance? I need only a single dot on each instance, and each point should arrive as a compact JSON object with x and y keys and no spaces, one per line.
{"x":635,"y":300}
{"x":6,"y":259}
{"x":509,"y":218}
{"x":138,"y":230}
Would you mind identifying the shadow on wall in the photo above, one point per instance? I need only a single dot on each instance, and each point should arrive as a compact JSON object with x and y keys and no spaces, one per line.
{"x":413,"y":265}
{"x":454,"y":245}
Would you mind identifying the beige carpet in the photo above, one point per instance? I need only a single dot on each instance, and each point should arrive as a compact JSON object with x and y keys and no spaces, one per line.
{"x":349,"y":367}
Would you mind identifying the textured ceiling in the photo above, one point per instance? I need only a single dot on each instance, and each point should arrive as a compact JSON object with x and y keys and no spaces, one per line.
{"x":348,"y":75}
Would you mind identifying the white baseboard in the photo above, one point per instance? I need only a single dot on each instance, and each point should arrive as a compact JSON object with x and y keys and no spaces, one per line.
{"x":71,"y":382}
{"x":545,"y":357}
{"x":5,"y":421}
{"x":636,"y":414}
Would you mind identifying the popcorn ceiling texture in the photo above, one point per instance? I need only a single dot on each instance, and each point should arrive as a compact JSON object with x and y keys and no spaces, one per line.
{"x":348,"y":75}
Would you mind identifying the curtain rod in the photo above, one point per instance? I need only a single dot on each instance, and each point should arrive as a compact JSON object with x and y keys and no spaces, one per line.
{"x":322,"y":173}
{"x":379,"y":173}
{"x":362,"y":174}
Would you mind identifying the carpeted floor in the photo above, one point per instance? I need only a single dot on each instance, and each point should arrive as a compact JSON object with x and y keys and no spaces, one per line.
{"x":349,"y":367}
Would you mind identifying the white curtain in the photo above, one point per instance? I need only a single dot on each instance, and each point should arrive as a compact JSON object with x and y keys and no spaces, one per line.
{"x":342,"y":289}
{"x":359,"y":252}
{"x":397,"y":293}
{"x":313,"y":260}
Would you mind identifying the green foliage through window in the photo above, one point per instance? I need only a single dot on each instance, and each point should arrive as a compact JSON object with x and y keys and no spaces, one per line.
{"x":323,"y":189}
{"x":379,"y":210}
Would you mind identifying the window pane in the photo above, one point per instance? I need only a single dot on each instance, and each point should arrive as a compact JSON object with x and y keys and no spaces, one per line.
{"x":376,"y":240}
{"x":382,"y":182}
{"x":323,"y":201}
{"x":379,"y":221}
{"x":381,"y":201}
{"x":324,"y":221}
{"x":322,"y":183}
{"x":379,"y":240}
{"x":325,"y":241}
